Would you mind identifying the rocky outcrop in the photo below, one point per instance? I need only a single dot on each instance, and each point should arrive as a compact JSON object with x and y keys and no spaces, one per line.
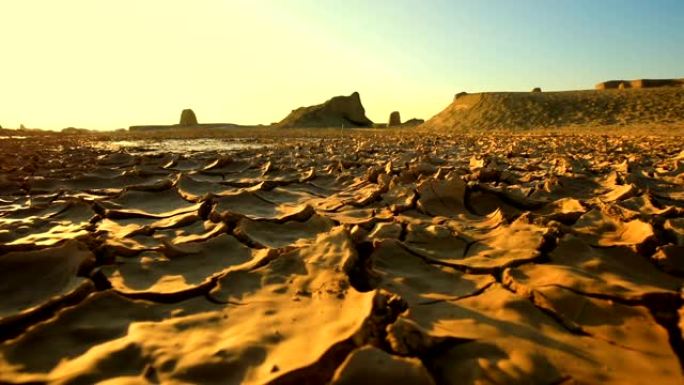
{"x":340,"y":111}
{"x":639,"y":83}
{"x":589,"y":108}
{"x":188,"y":118}
{"x":413,"y":122}
{"x":653,"y":83}
{"x":536,"y":89}
{"x":394,"y":119}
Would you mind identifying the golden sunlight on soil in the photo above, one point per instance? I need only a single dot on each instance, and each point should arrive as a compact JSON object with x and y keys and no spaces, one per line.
{"x":435,"y":259}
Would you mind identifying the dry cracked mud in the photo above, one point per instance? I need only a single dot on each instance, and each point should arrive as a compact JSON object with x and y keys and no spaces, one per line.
{"x":447,"y":259}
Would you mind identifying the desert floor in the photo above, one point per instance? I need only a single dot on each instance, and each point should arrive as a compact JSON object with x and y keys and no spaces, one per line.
{"x":342,"y":258}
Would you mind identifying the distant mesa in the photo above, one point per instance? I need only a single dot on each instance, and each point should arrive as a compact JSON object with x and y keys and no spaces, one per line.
{"x":536,"y":89}
{"x":188,"y":118}
{"x":639,"y":83}
{"x":394,"y":119}
{"x":658,"y":103}
{"x":340,"y":111}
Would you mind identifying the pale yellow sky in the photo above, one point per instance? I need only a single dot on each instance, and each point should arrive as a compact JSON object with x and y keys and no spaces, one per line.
{"x":109,"y":64}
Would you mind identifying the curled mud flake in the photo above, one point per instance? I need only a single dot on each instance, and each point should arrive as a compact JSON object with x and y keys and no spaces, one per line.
{"x":669,"y":259}
{"x":117,"y":159}
{"x":155,"y":185}
{"x":418,"y":281}
{"x":619,"y":193}
{"x":675,"y":230}
{"x":197,"y":232}
{"x":224,"y":165}
{"x":95,"y":333}
{"x":442,"y":197}
{"x":250,"y":205}
{"x":287,"y":195}
{"x":565,"y":210}
{"x":385,"y":230}
{"x":194,"y":190}
{"x":514,"y":340}
{"x":600,"y":229}
{"x":372,"y":365}
{"x":52,"y":276}
{"x":505,"y":246}
{"x":616,"y":272}
{"x":184,"y":268}
{"x":145,"y":204}
{"x":349,"y":215}
{"x":643,"y":207}
{"x":484,"y":202}
{"x":277,"y":235}
{"x":630,"y":326}
{"x":435,"y":242}
{"x":478,"y":251}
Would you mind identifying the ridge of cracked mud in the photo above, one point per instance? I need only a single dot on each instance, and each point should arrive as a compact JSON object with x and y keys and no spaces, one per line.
{"x":423,"y":260}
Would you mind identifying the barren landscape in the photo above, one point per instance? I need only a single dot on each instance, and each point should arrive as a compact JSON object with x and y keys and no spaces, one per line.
{"x":348,"y":257}
{"x":342,"y":192}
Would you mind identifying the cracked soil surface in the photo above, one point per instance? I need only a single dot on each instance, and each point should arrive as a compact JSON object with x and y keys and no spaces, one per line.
{"x":447,"y":259}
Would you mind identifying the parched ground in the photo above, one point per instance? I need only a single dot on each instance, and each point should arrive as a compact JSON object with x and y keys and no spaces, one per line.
{"x":360,"y":258}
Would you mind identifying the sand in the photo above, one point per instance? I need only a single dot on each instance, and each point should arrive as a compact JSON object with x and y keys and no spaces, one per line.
{"x":543,"y":110}
{"x":344,"y":259}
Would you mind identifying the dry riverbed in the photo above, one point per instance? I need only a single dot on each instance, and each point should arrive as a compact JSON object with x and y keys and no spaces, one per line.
{"x":422,"y":259}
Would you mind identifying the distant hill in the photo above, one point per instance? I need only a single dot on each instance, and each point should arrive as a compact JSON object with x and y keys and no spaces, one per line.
{"x":529,"y":110}
{"x":340,"y":111}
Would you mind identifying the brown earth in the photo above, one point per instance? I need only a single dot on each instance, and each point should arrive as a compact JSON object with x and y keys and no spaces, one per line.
{"x":395,"y":258}
{"x":340,"y":111}
{"x":537,"y":110}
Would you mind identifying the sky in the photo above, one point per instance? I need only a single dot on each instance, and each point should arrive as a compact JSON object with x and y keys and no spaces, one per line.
{"x":104,"y":64}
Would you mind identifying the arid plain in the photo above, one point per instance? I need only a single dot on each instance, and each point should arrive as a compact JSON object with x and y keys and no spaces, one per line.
{"x":443,"y":252}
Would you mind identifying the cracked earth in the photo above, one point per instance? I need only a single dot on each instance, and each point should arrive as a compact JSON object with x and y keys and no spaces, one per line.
{"x":360,"y":259}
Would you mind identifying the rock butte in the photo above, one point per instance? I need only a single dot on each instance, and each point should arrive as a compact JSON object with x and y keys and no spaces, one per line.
{"x":394,"y":119}
{"x":365,"y":258}
{"x":340,"y":111}
{"x":188,"y":118}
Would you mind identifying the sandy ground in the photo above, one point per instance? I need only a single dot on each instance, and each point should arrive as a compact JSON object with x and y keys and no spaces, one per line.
{"x":590,"y":108}
{"x":384,"y":259}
